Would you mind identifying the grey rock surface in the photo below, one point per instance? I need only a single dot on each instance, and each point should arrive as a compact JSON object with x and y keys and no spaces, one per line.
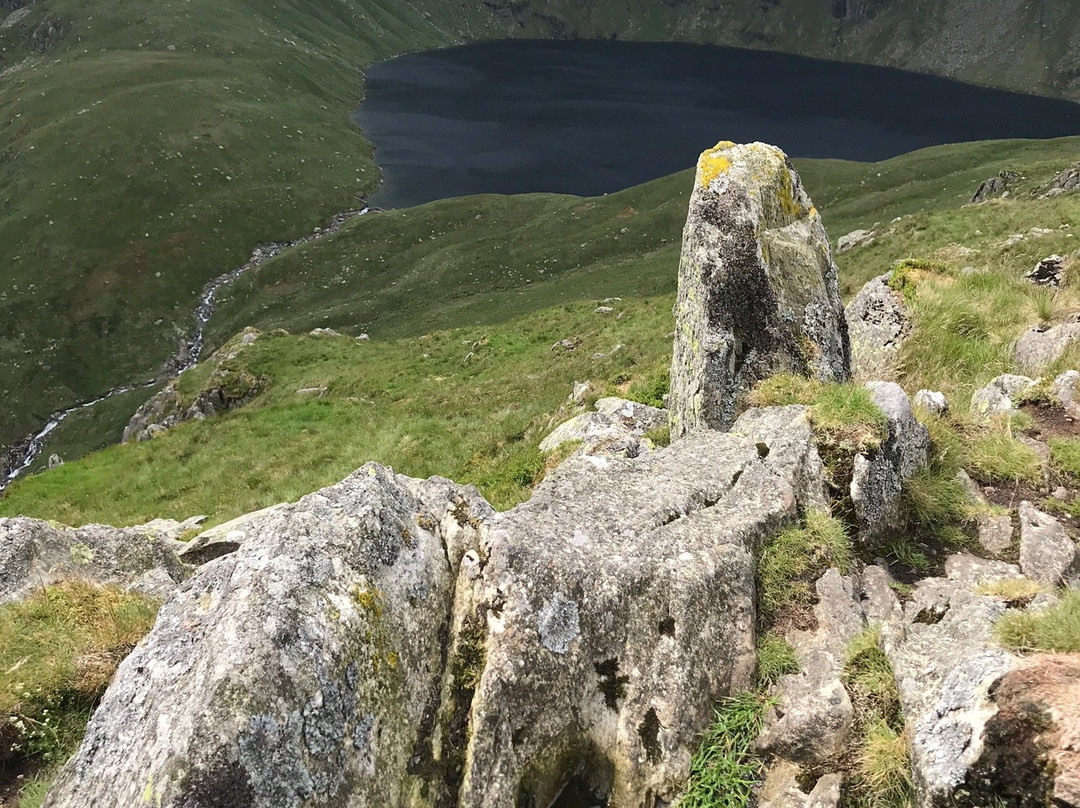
{"x":878,"y":323}
{"x":933,"y":402}
{"x":623,"y":591}
{"x":785,"y":442}
{"x":878,"y":480}
{"x":1040,"y":347}
{"x":781,"y":789}
{"x":856,"y":238}
{"x":989,"y":189}
{"x":1067,"y":180}
{"x":1048,"y":272}
{"x":995,"y":532}
{"x":302,"y":670}
{"x":616,"y":429}
{"x":1066,"y":391}
{"x":758,"y":292}
{"x":34,"y":554}
{"x":1048,"y":554}
{"x":999,"y":396}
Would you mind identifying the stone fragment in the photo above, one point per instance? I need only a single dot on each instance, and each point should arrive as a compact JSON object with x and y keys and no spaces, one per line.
{"x":785,"y":442}
{"x":995,"y":533}
{"x":932,"y":402}
{"x":999,"y":396}
{"x":55,"y":461}
{"x":1048,"y":554}
{"x":879,"y":478}
{"x":758,"y":292}
{"x":878,"y":324}
{"x":1040,"y":347}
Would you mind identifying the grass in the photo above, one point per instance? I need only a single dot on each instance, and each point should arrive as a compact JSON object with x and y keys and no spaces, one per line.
{"x":907,"y":275}
{"x":775,"y":658}
{"x":881,"y":776}
{"x":792,"y":561}
{"x":1055,"y":630}
{"x":725,"y":770}
{"x":58,"y":651}
{"x":1065,"y":457}
{"x":1015,"y":591}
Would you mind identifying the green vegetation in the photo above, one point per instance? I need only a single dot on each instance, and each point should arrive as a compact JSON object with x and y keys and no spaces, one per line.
{"x":1065,"y":457}
{"x":58,"y":651}
{"x":882,"y":764}
{"x":1056,"y":629}
{"x":791,"y":562}
{"x":775,"y":658}
{"x":725,"y":769}
{"x":1014,"y":591}
{"x":906,"y":275}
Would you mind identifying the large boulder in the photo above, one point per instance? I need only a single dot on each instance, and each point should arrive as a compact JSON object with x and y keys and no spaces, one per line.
{"x":304,"y":669}
{"x":878,"y":479}
{"x":758,"y":292}
{"x":34,"y":554}
{"x":878,"y":323}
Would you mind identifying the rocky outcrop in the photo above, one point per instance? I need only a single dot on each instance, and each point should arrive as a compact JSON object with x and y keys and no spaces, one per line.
{"x":228,"y":387}
{"x":34,"y":554}
{"x":1067,"y":180}
{"x":856,"y":238}
{"x":389,"y":641}
{"x":878,"y":323}
{"x":758,"y":291}
{"x":616,"y":429}
{"x":1040,"y":346}
{"x":1048,"y":272}
{"x":994,"y":187}
{"x":878,"y":479}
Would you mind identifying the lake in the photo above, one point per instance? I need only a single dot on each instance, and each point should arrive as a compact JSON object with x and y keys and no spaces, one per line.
{"x":584,"y":117}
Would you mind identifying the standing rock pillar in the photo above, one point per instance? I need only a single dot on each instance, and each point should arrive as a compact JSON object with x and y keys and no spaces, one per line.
{"x":758,"y":293}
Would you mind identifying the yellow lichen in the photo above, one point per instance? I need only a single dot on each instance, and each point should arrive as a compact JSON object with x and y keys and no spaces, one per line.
{"x":713,"y":163}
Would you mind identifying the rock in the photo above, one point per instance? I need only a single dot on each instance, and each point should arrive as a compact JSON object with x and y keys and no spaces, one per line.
{"x":615,"y":607}
{"x":306,"y":668}
{"x":55,"y":461}
{"x":567,"y":345}
{"x":1067,"y":180}
{"x":878,"y":479}
{"x":1000,"y":396}
{"x":1048,"y":554}
{"x":971,"y":571}
{"x":1066,"y":391}
{"x":1048,"y":272}
{"x":781,"y":789}
{"x":878,"y":323}
{"x":604,"y":310}
{"x":616,"y":429}
{"x":34,"y":554}
{"x":229,"y":387}
{"x":312,"y":392}
{"x":1039,"y":347}
{"x":580,"y":391}
{"x":813,"y":719}
{"x":856,"y":238}
{"x":1042,"y":452}
{"x":323,"y":332}
{"x":363,"y":338}
{"x":758,"y":293}
{"x":990,"y":188}
{"x":225,"y":538}
{"x":995,"y":532}
{"x":932,"y":402}
{"x":785,"y":442}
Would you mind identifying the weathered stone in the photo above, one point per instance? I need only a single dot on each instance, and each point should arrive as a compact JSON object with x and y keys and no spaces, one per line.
{"x":1040,"y":347}
{"x":1000,"y":396}
{"x":616,"y":429}
{"x":878,"y":323}
{"x":1067,"y":180}
{"x":624,"y":595}
{"x":879,"y":478}
{"x":813,"y":719}
{"x":995,"y":532}
{"x":55,"y":461}
{"x":856,"y":238}
{"x":989,"y":189}
{"x":1066,"y":391}
{"x":224,"y":538}
{"x":781,"y":789}
{"x":932,"y":402}
{"x":785,"y":442}
{"x":34,"y":554}
{"x":581,"y":389}
{"x":758,"y":292}
{"x":1048,"y":272}
{"x":304,"y":669}
{"x":1047,"y":552}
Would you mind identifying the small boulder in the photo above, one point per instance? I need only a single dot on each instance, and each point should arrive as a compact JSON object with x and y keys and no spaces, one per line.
{"x":1066,"y":391}
{"x":1000,"y":395}
{"x":879,"y":478}
{"x":878,"y":324}
{"x":55,"y":461}
{"x":581,"y":389}
{"x":616,"y":429}
{"x":989,"y":189}
{"x":1048,"y":555}
{"x":931,"y":402}
{"x":323,"y":332}
{"x":758,"y":292}
{"x":1048,"y":272}
{"x":1040,"y":346}
{"x":856,"y":238}
{"x":995,"y":533}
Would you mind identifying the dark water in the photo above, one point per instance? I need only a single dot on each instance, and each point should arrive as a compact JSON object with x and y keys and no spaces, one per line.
{"x":593,"y":117}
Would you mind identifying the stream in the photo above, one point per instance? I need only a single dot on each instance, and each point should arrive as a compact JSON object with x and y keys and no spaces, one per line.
{"x":17,"y":458}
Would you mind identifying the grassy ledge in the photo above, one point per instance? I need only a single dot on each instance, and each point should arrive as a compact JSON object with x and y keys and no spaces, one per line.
{"x":1055,"y":630}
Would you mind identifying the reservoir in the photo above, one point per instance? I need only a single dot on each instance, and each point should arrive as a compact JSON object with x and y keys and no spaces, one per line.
{"x":586,"y":117}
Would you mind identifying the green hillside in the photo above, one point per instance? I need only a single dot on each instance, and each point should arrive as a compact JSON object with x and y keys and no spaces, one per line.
{"x":460,"y":377}
{"x":148,"y":146}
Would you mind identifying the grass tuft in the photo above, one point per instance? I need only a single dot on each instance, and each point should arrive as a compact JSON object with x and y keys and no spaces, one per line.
{"x":775,"y":658}
{"x":1056,"y":630}
{"x":725,"y":770}
{"x":1065,"y":457}
{"x":792,"y":561}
